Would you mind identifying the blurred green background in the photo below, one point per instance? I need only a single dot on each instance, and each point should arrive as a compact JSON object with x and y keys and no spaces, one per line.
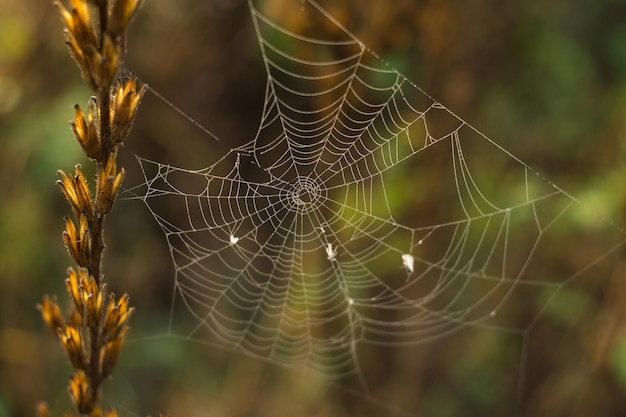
{"x":544,"y":79}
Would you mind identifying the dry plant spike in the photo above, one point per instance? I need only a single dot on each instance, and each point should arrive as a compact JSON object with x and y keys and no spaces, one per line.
{"x":93,"y":331}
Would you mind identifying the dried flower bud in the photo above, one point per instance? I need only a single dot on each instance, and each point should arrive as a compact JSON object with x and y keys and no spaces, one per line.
{"x":83,"y":193}
{"x":83,"y":24}
{"x":111,"y":352}
{"x":108,"y":184}
{"x":106,"y":63}
{"x":70,"y":238}
{"x":83,"y":60}
{"x":92,"y":298}
{"x":80,"y":392}
{"x":87,"y":296}
{"x":116,"y":318}
{"x":74,"y":289}
{"x":82,"y":39}
{"x":124,"y":109}
{"x":74,"y":345}
{"x":122,"y":11}
{"x":78,"y":241}
{"x":76,"y":192}
{"x":115,"y":186}
{"x":86,"y":130}
{"x":69,"y":191}
{"x":84,"y":243}
{"x":51,"y":314}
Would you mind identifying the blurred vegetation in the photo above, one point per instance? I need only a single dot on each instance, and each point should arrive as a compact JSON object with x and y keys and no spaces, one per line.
{"x":546,"y":80}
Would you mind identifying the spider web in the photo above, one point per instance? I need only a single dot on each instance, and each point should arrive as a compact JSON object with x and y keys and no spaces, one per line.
{"x":358,"y":217}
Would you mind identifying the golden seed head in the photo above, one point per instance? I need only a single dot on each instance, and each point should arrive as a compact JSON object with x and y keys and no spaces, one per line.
{"x":98,"y":51}
{"x":92,"y":310}
{"x":115,"y":186}
{"x":82,"y":60}
{"x":82,"y":37}
{"x":116,"y":318}
{"x":86,"y":131}
{"x":83,"y":25}
{"x":70,"y":239}
{"x":120,"y":15}
{"x":109,"y":183}
{"x":74,"y":345}
{"x":106,"y":64}
{"x":87,"y":296}
{"x":79,"y":126}
{"x":84,"y":242}
{"x":78,"y":241}
{"x":69,"y":191}
{"x":51,"y":314}
{"x":80,"y":392}
{"x":75,"y":290}
{"x":111,"y":352}
{"x":76,"y":192}
{"x":83,"y":194}
{"x":124,"y":108}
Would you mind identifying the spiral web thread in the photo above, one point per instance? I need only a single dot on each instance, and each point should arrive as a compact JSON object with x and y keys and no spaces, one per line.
{"x":358,"y":216}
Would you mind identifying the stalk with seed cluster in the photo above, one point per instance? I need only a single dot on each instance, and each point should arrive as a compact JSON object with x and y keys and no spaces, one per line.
{"x":93,"y":331}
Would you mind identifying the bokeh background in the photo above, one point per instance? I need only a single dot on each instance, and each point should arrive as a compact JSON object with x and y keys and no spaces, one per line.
{"x":546,"y":80}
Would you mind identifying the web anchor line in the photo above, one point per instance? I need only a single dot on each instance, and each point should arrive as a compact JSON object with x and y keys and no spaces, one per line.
{"x":182,"y":113}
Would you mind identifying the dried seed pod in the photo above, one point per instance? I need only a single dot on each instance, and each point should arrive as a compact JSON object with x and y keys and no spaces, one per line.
{"x":75,"y":289}
{"x":124,"y":109}
{"x":74,"y":344}
{"x":85,"y":128}
{"x":108,"y":62}
{"x":108,"y":185}
{"x":116,"y":318}
{"x":81,"y":37}
{"x":51,"y":314}
{"x":111,"y":352}
{"x":121,"y":13}
{"x":69,"y":191}
{"x":83,"y":194}
{"x":80,"y":392}
{"x":71,"y":239}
